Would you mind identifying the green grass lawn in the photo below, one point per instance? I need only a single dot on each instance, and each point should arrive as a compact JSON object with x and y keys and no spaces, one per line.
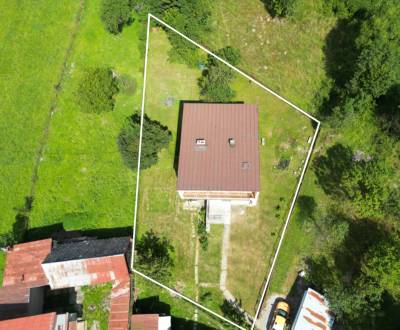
{"x":2,"y":265}
{"x":153,"y":299}
{"x":96,"y":304}
{"x":83,"y":182}
{"x":34,"y":37}
{"x":286,"y":55}
{"x":286,"y":133}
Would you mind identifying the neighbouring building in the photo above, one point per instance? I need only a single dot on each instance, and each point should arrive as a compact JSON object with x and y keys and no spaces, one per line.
{"x":33,"y":267}
{"x":150,"y":322}
{"x":46,"y":321}
{"x":219,"y":158}
{"x":313,"y":313}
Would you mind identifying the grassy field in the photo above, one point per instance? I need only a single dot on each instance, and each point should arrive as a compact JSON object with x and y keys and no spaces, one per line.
{"x":34,"y":39}
{"x":286,"y":55}
{"x":83,"y":182}
{"x":96,"y":304}
{"x":286,"y":133}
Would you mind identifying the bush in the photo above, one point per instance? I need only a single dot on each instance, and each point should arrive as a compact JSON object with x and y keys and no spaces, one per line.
{"x":153,"y":256}
{"x":97,"y":90}
{"x":115,"y":14}
{"x":202,"y":230}
{"x":155,"y":138}
{"x":280,"y":8}
{"x":191,"y":17}
{"x":215,"y":81}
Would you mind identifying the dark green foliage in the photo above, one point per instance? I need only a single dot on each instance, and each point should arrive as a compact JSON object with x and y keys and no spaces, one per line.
{"x":215,"y":81}
{"x":191,"y":17}
{"x":364,"y":182}
{"x":202,"y":230}
{"x":6,"y":239}
{"x":153,"y":256}
{"x":115,"y":14}
{"x":97,"y":90}
{"x":233,"y":312}
{"x":280,"y":8}
{"x":378,"y":65}
{"x":155,"y":137}
{"x":357,"y":263}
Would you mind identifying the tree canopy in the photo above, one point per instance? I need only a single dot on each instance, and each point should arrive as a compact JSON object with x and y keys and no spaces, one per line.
{"x":97,"y":90}
{"x":155,"y":137}
{"x":215,"y":81}
{"x":191,"y":17}
{"x":153,"y":256}
{"x":115,"y":14}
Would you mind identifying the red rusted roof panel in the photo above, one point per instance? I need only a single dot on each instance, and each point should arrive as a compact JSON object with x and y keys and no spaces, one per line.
{"x":37,"y":322}
{"x":144,"y":322}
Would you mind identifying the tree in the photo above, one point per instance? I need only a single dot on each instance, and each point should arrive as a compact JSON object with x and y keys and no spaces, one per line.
{"x":349,"y":268}
{"x":191,"y":17}
{"x":153,"y":256}
{"x":378,"y":67}
{"x":215,"y":81}
{"x":155,"y":137}
{"x":381,"y":266}
{"x":115,"y":14}
{"x":363,"y":182}
{"x":97,"y":90}
{"x":280,"y":8}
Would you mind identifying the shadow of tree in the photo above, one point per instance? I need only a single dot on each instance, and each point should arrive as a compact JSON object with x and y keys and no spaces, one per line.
{"x":389,"y":111}
{"x":330,"y":168}
{"x":341,"y":54}
{"x":153,"y":304}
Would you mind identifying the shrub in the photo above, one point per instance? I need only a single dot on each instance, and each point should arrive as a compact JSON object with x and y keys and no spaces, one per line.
{"x":155,"y":137}
{"x":215,"y":81}
{"x":115,"y":14}
{"x":202,"y":230}
{"x":153,"y":256}
{"x":97,"y":90}
{"x":280,"y":8}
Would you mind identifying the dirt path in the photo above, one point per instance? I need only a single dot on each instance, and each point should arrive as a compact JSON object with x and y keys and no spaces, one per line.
{"x":53,"y":108}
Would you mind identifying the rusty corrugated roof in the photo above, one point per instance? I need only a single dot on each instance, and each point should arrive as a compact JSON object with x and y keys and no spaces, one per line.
{"x":144,"y":322}
{"x":23,"y":264}
{"x":37,"y":322}
{"x":217,"y":165}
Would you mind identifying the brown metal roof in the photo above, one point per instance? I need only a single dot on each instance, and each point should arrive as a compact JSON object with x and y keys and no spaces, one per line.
{"x":216,"y":165}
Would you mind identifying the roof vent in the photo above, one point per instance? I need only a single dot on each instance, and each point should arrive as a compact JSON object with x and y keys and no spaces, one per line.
{"x":232,"y":142}
{"x":201,"y":142}
{"x":245,"y":165}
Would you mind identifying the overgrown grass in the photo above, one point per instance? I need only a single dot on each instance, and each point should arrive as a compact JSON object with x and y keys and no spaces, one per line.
{"x":34,"y":38}
{"x":83,"y":182}
{"x":96,"y":305}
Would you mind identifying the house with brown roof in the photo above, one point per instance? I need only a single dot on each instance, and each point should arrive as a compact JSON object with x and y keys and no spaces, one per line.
{"x":219,"y":158}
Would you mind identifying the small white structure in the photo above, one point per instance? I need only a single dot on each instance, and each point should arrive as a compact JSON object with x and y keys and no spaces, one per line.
{"x":313,"y":313}
{"x":164,"y":323}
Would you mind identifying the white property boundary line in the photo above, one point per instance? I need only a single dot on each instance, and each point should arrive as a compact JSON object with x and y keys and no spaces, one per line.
{"x":268,"y":280}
